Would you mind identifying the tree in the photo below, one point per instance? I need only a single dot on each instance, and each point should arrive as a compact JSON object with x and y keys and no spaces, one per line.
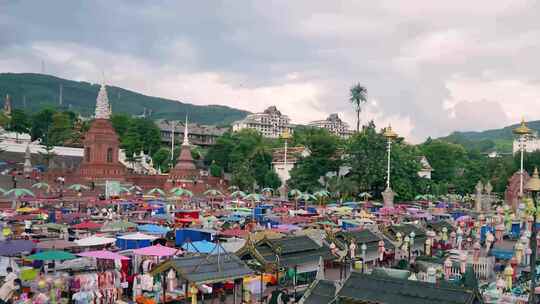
{"x":48,"y":154}
{"x":4,"y":120}
{"x":323,"y":158}
{"x":41,"y":123}
{"x":60,"y":130}
{"x":121,"y":123}
{"x":272,"y":180}
{"x":215,"y":170}
{"x":162,"y":158}
{"x":242,"y":177}
{"x":19,"y":122}
{"x":358,"y":96}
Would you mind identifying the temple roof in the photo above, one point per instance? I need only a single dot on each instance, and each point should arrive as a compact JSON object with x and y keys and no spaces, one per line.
{"x":103,"y":110}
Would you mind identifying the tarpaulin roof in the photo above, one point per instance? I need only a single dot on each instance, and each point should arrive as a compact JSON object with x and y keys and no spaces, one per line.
{"x":103,"y":254}
{"x":56,"y":244}
{"x":52,"y":255}
{"x":154,"y":229}
{"x":87,"y":225}
{"x":202,"y":247}
{"x":95,"y":241}
{"x":137,"y":236}
{"x":157,"y":250}
{"x":15,"y":247}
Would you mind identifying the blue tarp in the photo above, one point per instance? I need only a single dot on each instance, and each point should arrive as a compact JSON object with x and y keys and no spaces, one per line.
{"x":502,"y":254}
{"x":191,"y":235}
{"x":132,"y":244}
{"x":202,"y":247}
{"x":154,"y":229}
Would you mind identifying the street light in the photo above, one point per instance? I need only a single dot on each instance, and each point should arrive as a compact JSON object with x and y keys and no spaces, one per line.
{"x":533,"y":186}
{"x":173,"y":125}
{"x":521,"y":132}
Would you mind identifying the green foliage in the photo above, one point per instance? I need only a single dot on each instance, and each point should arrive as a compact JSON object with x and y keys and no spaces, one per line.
{"x":215,"y":170}
{"x":4,"y":120}
{"x":246,"y":154}
{"x":19,"y":122}
{"x":61,"y":129}
{"x":162,"y":158}
{"x":139,"y":135}
{"x":367,"y":157}
{"x":272,"y":180}
{"x":323,"y":158}
{"x":42,"y":91}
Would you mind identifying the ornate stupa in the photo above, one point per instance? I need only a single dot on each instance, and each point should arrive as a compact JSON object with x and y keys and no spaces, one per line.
{"x":185,"y":169}
{"x":27,"y":168}
{"x":101,"y":145}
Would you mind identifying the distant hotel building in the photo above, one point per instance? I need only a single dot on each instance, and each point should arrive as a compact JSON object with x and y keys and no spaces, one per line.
{"x":200,"y":135}
{"x":270,"y":123}
{"x":532,"y":143}
{"x":334,"y":125}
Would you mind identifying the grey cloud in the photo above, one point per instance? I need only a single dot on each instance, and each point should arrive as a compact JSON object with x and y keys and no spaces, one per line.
{"x":404,"y":52}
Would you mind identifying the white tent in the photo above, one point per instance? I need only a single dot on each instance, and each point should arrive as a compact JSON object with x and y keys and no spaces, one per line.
{"x":95,"y":241}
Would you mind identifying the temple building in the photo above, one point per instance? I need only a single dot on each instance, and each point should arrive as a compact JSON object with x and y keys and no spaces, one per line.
{"x":101,"y":145}
{"x":102,"y":160}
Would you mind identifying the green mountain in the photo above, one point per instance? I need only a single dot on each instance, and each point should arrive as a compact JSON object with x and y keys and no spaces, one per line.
{"x":499,"y":140}
{"x":36,"y":91}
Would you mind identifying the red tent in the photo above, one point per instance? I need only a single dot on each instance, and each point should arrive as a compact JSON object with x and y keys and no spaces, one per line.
{"x":88,"y":225}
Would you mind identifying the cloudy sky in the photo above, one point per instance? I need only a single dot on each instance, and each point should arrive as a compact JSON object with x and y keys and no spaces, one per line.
{"x":431,"y":67}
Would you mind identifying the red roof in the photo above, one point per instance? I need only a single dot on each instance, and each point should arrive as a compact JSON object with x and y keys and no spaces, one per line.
{"x":87,"y":225}
{"x":234,"y":232}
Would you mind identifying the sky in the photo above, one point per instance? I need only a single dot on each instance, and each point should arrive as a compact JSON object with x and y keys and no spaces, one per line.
{"x":430,"y":67}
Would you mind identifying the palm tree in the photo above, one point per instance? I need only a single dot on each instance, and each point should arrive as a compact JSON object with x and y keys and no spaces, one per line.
{"x":357,"y":98}
{"x":296,"y":194}
{"x":321,"y":195}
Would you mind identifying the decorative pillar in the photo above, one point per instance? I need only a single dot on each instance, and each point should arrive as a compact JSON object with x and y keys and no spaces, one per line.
{"x":478,"y":197}
{"x":388,"y":194}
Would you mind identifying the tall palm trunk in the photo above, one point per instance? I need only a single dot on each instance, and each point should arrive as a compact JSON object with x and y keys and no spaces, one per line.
{"x":358,"y":119}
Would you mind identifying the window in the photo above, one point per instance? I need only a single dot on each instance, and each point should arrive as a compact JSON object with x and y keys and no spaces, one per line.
{"x":109,"y":155}
{"x":87,"y":154}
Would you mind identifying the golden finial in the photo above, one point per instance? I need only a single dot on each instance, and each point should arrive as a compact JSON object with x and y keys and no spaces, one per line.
{"x":389,"y":133}
{"x":522,"y":129}
{"x":286,"y":135}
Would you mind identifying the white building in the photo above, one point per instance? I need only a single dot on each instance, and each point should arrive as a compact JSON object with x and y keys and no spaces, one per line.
{"x":532,"y":143}
{"x":283,"y":166}
{"x":270,"y":123}
{"x":334,"y":125}
{"x":426,"y":169}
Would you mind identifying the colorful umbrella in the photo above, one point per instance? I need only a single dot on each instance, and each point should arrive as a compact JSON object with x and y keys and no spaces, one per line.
{"x":254,"y":197}
{"x":181,"y":192}
{"x":295,"y":193}
{"x":233,"y":188}
{"x":103,"y":255}
{"x":212,"y":192}
{"x":238,"y":193}
{"x":322,"y":193}
{"x":41,"y":185}
{"x":56,"y":244}
{"x":94,"y":241}
{"x":2,"y":190}
{"x":268,"y":190}
{"x":118,"y":225}
{"x":156,"y":190}
{"x":51,"y":255}
{"x":18,"y":192}
{"x":78,"y":187}
{"x":157,"y":250}
{"x":135,"y":187}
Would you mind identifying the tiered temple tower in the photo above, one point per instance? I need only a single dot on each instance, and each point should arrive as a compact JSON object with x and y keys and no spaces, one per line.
{"x":185,"y":171}
{"x":101,"y":146}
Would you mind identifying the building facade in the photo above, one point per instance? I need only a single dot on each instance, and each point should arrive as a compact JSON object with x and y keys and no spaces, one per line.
{"x":334,"y":125}
{"x":270,"y":123}
{"x":199,"y":135}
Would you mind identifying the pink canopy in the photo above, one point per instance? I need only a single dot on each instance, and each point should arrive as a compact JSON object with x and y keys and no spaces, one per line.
{"x":157,"y":250}
{"x":103,"y":254}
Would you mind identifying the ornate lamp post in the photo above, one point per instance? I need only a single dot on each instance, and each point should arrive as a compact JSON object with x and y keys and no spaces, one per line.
{"x":411,"y":246}
{"x":363,"y":247}
{"x":521,"y":132}
{"x":533,"y":186}
{"x":388,"y":194}
{"x":286,"y":136}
